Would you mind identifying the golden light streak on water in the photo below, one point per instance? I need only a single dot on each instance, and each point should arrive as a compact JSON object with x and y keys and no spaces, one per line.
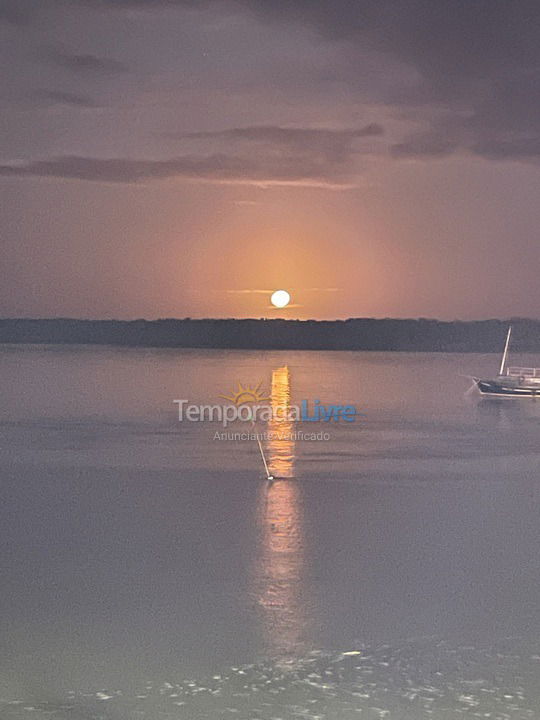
{"x":280,"y":443}
{"x":280,"y":563}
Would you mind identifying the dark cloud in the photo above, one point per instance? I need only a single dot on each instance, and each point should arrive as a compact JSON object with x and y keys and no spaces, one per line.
{"x":462,"y":38}
{"x":424,"y":145}
{"x":145,"y":3}
{"x":503,"y":123}
{"x":85,"y":63}
{"x":444,"y":40}
{"x":280,"y":169}
{"x":476,"y":61}
{"x":302,"y":156}
{"x":14,"y":12}
{"x":335,"y":145}
{"x":59,"y":97}
{"x":511,"y":103}
{"x":20,"y":12}
{"x":464,"y":135}
{"x":290,"y":136}
{"x":513,"y":148}
{"x":479,"y":61}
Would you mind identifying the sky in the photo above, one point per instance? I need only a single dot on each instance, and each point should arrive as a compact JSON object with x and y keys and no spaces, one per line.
{"x":185,"y":158}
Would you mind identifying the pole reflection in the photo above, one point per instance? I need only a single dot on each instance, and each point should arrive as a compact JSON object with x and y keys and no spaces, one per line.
{"x":279,"y":576}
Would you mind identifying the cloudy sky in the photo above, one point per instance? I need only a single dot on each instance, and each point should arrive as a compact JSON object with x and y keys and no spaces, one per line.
{"x":173,"y":158}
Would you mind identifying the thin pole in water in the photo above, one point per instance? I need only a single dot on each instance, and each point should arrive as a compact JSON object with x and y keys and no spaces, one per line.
{"x":505,"y":353}
{"x":268,"y":476}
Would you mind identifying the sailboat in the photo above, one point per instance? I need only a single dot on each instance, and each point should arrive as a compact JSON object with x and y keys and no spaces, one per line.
{"x":511,"y":382}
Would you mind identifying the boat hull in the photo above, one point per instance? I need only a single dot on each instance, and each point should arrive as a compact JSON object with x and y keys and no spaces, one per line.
{"x":492,"y":388}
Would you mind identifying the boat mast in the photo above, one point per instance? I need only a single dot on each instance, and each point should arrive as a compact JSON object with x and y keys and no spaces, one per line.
{"x":505,"y":353}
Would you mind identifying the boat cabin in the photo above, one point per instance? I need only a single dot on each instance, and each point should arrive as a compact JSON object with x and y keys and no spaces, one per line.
{"x":525,"y":375}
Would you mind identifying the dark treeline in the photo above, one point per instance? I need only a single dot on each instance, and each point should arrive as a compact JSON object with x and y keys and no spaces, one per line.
{"x":353,"y":334}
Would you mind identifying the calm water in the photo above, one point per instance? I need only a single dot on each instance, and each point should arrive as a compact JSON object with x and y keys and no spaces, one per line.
{"x":149,"y":570}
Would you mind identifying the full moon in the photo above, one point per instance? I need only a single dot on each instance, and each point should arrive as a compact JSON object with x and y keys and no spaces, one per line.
{"x":280,"y":298}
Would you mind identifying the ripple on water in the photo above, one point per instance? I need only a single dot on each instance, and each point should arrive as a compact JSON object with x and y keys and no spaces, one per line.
{"x":411,"y":681}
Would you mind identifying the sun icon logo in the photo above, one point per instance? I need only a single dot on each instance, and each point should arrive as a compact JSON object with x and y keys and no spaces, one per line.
{"x":246,"y":394}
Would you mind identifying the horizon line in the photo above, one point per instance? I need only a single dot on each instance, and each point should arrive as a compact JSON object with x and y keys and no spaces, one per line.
{"x":511,"y":319}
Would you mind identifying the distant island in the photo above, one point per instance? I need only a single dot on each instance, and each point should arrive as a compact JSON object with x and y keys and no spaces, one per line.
{"x":421,"y":335}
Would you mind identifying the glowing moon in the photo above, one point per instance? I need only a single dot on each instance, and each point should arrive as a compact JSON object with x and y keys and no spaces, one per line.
{"x":280,"y":298}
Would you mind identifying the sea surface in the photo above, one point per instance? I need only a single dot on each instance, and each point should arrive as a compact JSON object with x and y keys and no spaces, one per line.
{"x":149,"y":570}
